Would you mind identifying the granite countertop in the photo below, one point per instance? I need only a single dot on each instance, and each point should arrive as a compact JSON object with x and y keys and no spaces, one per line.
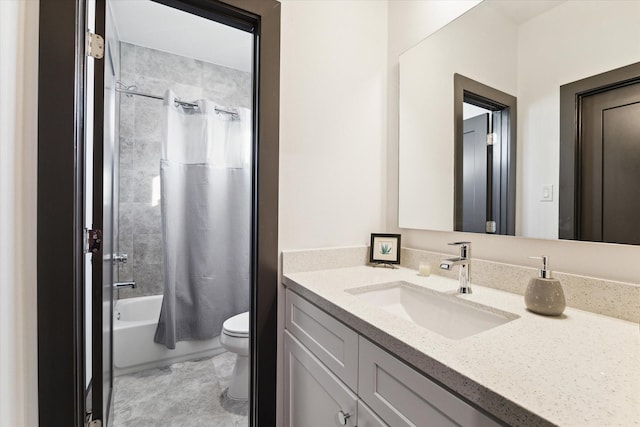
{"x":582,"y":369}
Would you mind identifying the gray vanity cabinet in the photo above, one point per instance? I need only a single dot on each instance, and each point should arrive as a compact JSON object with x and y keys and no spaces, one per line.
{"x":334,"y":376}
{"x":367,"y":418}
{"x":404,"y":397}
{"x":314,"y":396}
{"x":330,"y":340}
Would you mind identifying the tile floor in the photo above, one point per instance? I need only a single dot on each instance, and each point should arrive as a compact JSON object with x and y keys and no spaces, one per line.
{"x":181,"y":395}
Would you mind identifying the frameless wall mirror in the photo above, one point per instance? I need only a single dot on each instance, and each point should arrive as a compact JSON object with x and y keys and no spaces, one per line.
{"x":525,"y":50}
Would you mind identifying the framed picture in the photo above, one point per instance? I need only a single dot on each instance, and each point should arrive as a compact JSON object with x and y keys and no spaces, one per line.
{"x":385,"y":248}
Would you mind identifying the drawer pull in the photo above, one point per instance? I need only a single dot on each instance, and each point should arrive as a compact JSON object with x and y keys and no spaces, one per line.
{"x":342,"y":418}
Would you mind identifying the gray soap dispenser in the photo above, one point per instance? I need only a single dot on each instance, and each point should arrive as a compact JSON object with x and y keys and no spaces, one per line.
{"x":544,"y":295}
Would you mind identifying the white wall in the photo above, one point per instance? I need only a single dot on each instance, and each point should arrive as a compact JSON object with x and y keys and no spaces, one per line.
{"x":333,"y":113}
{"x":18,"y":165}
{"x":559,"y":51}
{"x":333,"y":118}
{"x":409,"y":22}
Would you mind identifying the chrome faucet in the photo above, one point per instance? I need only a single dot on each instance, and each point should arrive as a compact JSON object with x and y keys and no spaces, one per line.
{"x":118,"y":286}
{"x":464,"y":261}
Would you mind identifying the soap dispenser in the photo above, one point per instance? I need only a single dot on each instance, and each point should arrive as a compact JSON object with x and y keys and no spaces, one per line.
{"x":544,"y":294}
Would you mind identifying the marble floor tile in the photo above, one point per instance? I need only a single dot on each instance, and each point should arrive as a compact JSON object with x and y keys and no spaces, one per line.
{"x":181,"y":395}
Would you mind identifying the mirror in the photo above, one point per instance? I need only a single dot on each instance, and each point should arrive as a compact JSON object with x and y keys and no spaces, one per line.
{"x":528,"y":50}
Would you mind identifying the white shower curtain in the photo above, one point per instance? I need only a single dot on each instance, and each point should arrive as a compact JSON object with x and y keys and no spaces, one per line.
{"x":205,"y":178}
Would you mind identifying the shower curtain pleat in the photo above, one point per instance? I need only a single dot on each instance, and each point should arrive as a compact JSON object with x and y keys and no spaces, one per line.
{"x":206,"y":221}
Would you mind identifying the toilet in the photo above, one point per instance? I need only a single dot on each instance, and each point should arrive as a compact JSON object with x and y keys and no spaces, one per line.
{"x":235,"y":338}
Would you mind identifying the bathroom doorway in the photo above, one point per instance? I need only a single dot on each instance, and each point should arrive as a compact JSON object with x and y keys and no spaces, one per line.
{"x":179,"y":149}
{"x":183,"y":182}
{"x":485,"y":158}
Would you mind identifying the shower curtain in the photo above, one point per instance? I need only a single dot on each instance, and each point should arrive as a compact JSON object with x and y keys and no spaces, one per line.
{"x":205,"y":180}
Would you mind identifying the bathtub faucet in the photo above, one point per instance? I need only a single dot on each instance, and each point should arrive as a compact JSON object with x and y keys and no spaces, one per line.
{"x":120,"y":285}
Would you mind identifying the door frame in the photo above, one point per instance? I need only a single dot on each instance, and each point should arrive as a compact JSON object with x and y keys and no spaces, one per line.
{"x":491,"y":99}
{"x":60,"y":296}
{"x":59,"y":213}
{"x":571,"y":95}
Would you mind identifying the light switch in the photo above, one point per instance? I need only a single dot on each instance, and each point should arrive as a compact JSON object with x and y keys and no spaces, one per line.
{"x":547,"y":193}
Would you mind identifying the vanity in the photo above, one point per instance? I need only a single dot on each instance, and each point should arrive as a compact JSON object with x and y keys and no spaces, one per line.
{"x":359,"y":352}
{"x":352,"y":375}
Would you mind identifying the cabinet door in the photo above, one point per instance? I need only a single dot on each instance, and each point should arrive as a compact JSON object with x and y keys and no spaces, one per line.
{"x":314,"y":396}
{"x":328,"y":339}
{"x":404,"y":397}
{"x":366,"y":417}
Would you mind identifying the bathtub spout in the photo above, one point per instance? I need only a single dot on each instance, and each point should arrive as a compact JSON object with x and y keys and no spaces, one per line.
{"x":120,"y":285}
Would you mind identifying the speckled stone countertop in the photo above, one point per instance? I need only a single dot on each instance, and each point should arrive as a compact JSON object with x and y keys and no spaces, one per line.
{"x":579,"y":370}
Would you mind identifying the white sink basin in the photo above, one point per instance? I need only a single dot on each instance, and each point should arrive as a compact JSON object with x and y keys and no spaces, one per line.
{"x":443,"y":314}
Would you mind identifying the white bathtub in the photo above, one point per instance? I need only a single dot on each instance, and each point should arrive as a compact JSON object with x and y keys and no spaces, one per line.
{"x":134,"y":326}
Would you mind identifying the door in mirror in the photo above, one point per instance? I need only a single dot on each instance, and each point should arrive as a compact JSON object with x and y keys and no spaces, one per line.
{"x":485,"y":158}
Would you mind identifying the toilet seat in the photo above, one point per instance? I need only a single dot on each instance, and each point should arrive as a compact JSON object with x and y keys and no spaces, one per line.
{"x":237,"y":326}
{"x":235,"y":338}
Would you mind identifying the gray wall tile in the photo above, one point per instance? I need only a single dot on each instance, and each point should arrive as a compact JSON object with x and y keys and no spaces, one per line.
{"x":126,"y":222}
{"x":126,"y":153}
{"x":165,"y":66}
{"x":148,"y":118}
{"x":125,"y":186}
{"x":147,"y":153}
{"x":127,"y":58}
{"x":127,"y":116}
{"x":125,"y":243}
{"x":147,"y":219}
{"x":147,"y":249}
{"x":151,"y":278}
{"x":228,"y":99}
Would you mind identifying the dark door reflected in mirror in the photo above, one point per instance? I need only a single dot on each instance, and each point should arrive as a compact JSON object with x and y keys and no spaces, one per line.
{"x":475,"y":169}
{"x":485,"y":158}
{"x":600,"y":118}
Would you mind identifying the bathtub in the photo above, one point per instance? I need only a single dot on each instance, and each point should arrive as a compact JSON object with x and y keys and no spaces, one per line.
{"x":134,"y":326}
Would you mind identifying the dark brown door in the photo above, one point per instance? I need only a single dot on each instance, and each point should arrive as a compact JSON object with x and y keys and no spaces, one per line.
{"x":609,"y":143}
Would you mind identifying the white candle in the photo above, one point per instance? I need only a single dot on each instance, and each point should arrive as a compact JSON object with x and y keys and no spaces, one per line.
{"x":424,"y":269}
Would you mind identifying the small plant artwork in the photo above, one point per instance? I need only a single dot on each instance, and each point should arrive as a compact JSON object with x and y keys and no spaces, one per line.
{"x":385,"y":249}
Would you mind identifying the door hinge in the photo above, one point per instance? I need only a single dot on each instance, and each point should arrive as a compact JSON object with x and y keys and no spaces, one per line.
{"x":95,"y":423}
{"x":95,"y":45}
{"x":491,"y":138}
{"x":93,"y":240}
{"x":490,"y":227}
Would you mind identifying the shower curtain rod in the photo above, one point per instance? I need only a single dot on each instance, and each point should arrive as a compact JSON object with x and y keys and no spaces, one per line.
{"x":176,"y":100}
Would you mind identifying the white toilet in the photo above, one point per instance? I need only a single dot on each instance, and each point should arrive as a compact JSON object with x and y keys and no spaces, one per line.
{"x":235,"y":338}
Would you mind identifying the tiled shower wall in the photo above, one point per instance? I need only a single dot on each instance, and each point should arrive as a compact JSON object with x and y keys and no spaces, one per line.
{"x":153,"y":71}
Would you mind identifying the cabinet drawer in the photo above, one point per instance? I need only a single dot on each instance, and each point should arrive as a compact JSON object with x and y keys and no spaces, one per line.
{"x":314,"y":396}
{"x":404,"y":397}
{"x":366,"y":417}
{"x":328,"y":339}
